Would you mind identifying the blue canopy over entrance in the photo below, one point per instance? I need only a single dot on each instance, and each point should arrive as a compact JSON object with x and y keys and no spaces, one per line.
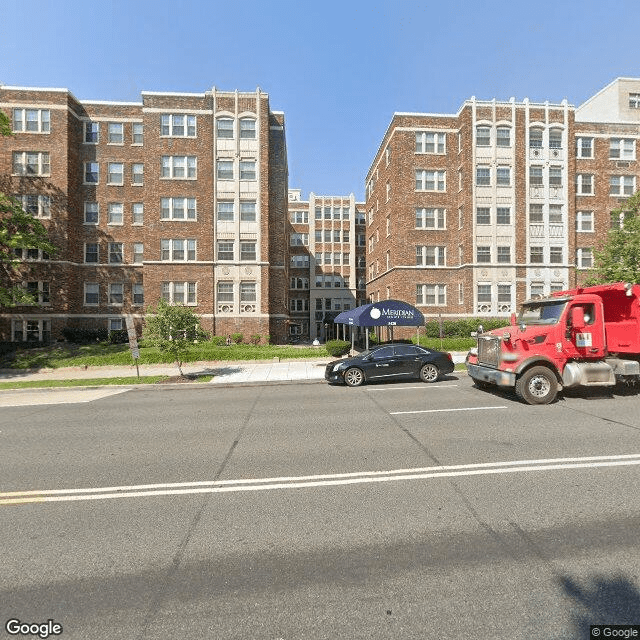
{"x":386,"y":313}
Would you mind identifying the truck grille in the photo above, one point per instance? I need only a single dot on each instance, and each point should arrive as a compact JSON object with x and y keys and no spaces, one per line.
{"x":489,"y":351}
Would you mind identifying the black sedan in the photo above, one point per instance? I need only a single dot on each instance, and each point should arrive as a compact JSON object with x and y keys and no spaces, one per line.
{"x":390,"y":361}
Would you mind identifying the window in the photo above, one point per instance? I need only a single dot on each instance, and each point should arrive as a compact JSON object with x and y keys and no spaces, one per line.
{"x":31,"y":163}
{"x":483,"y":136}
{"x":483,"y":215}
{"x":504,"y":255}
{"x":116,"y":253}
{"x":248,"y":251}
{"x":622,"y":185}
{"x":430,"y":219}
{"x":300,"y":261}
{"x":247,"y":128}
{"x":299,"y":217}
{"x":555,"y":176}
{"x":584,"y":184}
{"x":622,"y":149}
{"x":91,"y":252}
{"x":138,"y":252}
{"x":299,"y":239}
{"x":299,"y":283}
{"x":179,"y":167}
{"x":503,"y":215}
{"x":115,"y":133}
{"x":555,"y":214}
{"x":225,"y":250}
{"x":584,"y":258}
{"x":299,"y":304}
{"x":536,"y":255}
{"x":431,"y":294}
{"x":584,"y":221}
{"x":503,"y":136}
{"x":177,"y":208}
{"x":36,"y":205}
{"x":116,"y":293}
{"x":225,"y":292}
{"x":430,"y":256}
{"x":91,"y":132}
{"x":116,"y":213}
{"x":247,"y":294}
{"x":91,"y":293}
{"x":535,"y":138}
{"x":31,"y":120}
{"x":31,"y":330}
{"x":137,"y":132}
{"x":137,"y":213}
{"x":634,"y":101}
{"x":535,"y":176}
{"x":30,"y":254}
{"x":536,"y":290}
{"x":177,"y":125}
{"x":555,"y":255}
{"x":115,"y":324}
{"x":430,"y":180}
{"x":137,"y":173}
{"x":91,"y":173}
{"x":138,"y":293}
{"x":178,"y":250}
{"x":483,"y":254}
{"x":536,"y":214}
{"x":91,"y":213}
{"x":584,"y":147}
{"x":429,"y":142}
{"x":224,"y":128}
{"x":115,"y":173}
{"x":179,"y":292}
{"x":555,"y":138}
{"x":484,"y":294}
{"x":247,"y":170}
{"x":483,"y":176}
{"x":224,"y":169}
{"x":504,"y":295}
{"x":503,"y":176}
{"x":225,"y":212}
{"x":248,"y":211}
{"x":39,"y":292}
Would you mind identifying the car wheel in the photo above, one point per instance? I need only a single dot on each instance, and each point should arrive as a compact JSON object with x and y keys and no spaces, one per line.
{"x":429,"y":373}
{"x":353,"y":377}
{"x":538,"y":385}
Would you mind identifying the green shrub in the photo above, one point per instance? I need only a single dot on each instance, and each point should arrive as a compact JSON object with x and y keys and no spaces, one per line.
{"x":237,"y":338}
{"x":119,"y":336}
{"x":84,"y":336}
{"x":255,"y":338}
{"x":462,"y":327}
{"x":337,"y":348}
{"x":219,"y":341}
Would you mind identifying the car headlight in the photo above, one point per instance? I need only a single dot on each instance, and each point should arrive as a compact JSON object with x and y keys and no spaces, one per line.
{"x":336,"y":367}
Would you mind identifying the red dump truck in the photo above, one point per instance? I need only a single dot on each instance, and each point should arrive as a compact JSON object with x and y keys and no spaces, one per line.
{"x":584,"y":337}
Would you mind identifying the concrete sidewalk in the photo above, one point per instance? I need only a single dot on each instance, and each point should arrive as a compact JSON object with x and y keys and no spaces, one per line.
{"x":222,"y":372}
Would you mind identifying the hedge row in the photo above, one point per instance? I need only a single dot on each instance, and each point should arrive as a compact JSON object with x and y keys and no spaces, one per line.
{"x":463,"y":327}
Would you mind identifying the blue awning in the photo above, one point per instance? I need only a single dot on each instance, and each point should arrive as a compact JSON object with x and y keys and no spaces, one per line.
{"x":386,"y":313}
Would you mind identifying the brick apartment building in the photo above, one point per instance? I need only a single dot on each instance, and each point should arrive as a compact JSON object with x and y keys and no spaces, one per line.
{"x":179,"y":196}
{"x":473,"y":212}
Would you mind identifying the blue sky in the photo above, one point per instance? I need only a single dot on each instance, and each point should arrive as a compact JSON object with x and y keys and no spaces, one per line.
{"x":339,"y":70}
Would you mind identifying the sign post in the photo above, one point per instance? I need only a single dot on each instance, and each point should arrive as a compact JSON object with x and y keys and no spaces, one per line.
{"x":133,"y":341}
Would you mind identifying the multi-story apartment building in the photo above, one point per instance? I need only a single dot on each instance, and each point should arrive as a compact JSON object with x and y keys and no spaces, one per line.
{"x":327,"y":261}
{"x":470,"y":213}
{"x":178,"y":196}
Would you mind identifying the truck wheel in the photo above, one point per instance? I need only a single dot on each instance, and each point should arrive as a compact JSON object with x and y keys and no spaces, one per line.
{"x":538,"y":385}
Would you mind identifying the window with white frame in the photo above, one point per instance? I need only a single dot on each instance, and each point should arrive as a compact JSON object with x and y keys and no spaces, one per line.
{"x":483,"y":175}
{"x":427,"y":256}
{"x":116,"y":293}
{"x":248,"y":211}
{"x":91,"y":132}
{"x":116,"y":253}
{"x":622,"y":185}
{"x":584,"y":221}
{"x":504,"y":297}
{"x":634,"y":101}
{"x":30,"y":254}
{"x":31,"y":330}
{"x":299,"y":304}
{"x":430,"y":218}
{"x":485,"y":294}
{"x":116,"y":324}
{"x":536,"y":255}
{"x":504,"y":255}
{"x":179,"y":167}
{"x":31,"y":163}
{"x":535,"y":138}
{"x":31,"y":120}
{"x":483,"y":254}
{"x":179,"y":292}
{"x":248,"y":294}
{"x":503,"y":136}
{"x":536,"y":214}
{"x":224,"y":169}
{"x":39,"y":291}
{"x":431,"y":294}
{"x":555,"y":176}
{"x":91,"y":213}
{"x":115,"y":133}
{"x":536,"y":290}
{"x":36,"y":205}
{"x":115,"y":173}
{"x":137,"y":290}
{"x":503,"y":176}
{"x":178,"y":250}
{"x":91,"y":293}
{"x":91,"y":173}
{"x":430,"y":142}
{"x":622,"y":148}
{"x":137,"y":173}
{"x":584,"y":147}
{"x":178,"y":208}
{"x":483,"y":136}
{"x":225,"y":249}
{"x":225,"y":295}
{"x":299,"y":239}
{"x":556,"y":214}
{"x":247,"y":251}
{"x":556,"y":255}
{"x":91,"y":252}
{"x":225,"y":211}
{"x":584,"y":184}
{"x":115,"y":214}
{"x":483,"y":215}
{"x":137,"y":213}
{"x":224,"y":128}
{"x":503,"y":215}
{"x":299,"y":217}
{"x":300,"y":261}
{"x":555,"y":138}
{"x":138,"y":252}
{"x":584,"y":258}
{"x":427,"y":180}
{"x":247,"y":169}
{"x":299,"y":283}
{"x":177,"y":125}
{"x":535,"y":176}
{"x":137,"y":133}
{"x":557,"y":286}
{"x":247,"y":129}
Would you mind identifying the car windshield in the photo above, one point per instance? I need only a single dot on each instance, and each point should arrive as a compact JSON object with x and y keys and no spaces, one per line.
{"x":547,"y":312}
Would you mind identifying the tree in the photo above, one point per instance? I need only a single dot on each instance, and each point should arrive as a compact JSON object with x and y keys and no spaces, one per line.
{"x":18,"y":230}
{"x":172,"y":328}
{"x":618,"y":260}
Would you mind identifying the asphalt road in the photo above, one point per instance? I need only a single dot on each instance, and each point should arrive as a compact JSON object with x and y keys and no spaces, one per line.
{"x":305,"y":511}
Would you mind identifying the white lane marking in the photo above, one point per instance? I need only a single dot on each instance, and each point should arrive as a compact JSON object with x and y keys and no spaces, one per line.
{"x":300,"y":482}
{"x":57,"y":396}
{"x":399,"y":413}
{"x":430,"y":386}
